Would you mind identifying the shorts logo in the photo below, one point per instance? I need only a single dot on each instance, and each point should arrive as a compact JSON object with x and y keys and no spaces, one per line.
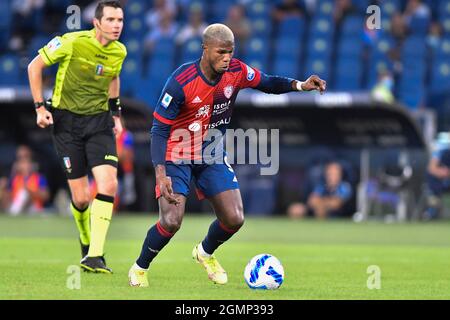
{"x":250,"y":74}
{"x":99,"y":70}
{"x":228,"y":91}
{"x":166,"y":100}
{"x":203,"y":112}
{"x":112,"y":158}
{"x":54,"y":44}
{"x":67,"y":164}
{"x":195,"y":126}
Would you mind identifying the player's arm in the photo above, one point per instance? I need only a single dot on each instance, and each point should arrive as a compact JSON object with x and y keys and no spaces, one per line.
{"x":166,"y":111}
{"x":278,"y":85}
{"x":253,"y":78}
{"x":35,"y":71}
{"x":114,"y":104}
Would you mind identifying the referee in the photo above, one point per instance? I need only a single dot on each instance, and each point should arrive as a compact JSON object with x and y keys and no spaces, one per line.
{"x":84,"y":117}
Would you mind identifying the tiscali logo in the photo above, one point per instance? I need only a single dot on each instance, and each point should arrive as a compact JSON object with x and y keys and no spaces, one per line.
{"x":195,"y":126}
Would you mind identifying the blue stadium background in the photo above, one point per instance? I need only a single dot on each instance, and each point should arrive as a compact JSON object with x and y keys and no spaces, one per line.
{"x":296,"y":46}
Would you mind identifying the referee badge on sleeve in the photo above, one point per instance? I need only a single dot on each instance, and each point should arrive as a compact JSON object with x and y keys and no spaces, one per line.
{"x":54,"y":44}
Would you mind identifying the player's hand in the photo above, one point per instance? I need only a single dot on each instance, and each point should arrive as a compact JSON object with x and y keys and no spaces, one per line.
{"x":44,"y":117}
{"x":118,"y":128}
{"x":165,"y":187}
{"x":314,"y":83}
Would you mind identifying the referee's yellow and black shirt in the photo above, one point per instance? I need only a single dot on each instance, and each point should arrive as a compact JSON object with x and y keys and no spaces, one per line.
{"x":85,"y":71}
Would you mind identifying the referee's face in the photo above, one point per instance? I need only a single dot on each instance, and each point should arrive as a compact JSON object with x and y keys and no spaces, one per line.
{"x":111,"y":23}
{"x":219,"y":55}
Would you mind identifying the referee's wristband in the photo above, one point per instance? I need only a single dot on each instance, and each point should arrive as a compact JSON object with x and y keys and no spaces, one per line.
{"x":115,"y":107}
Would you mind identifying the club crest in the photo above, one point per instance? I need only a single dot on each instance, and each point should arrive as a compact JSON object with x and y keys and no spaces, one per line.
{"x":228,"y":91}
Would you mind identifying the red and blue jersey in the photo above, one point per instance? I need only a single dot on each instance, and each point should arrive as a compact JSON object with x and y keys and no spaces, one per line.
{"x":190,"y":106}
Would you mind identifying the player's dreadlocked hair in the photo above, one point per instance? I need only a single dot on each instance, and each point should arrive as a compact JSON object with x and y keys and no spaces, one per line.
{"x":106,"y":3}
{"x":218,"y":32}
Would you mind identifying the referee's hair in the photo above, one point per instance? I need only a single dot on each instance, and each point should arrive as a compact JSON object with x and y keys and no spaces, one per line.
{"x":218,"y":32}
{"x":106,"y":3}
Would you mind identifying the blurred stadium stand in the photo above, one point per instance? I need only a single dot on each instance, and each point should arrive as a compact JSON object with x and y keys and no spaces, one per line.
{"x":338,"y":48}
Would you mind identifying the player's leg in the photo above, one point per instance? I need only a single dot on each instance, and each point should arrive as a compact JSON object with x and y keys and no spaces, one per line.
{"x":219,"y":185}
{"x":170,"y":219}
{"x":158,"y":236}
{"x":230,"y":218}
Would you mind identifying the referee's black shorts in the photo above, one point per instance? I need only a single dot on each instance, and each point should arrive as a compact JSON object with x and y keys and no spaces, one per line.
{"x":83,"y":141}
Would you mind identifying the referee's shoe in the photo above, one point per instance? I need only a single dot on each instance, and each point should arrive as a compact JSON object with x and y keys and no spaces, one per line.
{"x":95,"y":264}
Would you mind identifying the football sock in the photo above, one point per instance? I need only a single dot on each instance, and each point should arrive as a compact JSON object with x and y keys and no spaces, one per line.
{"x":82,"y":221}
{"x":202,"y":251}
{"x":218,"y":233}
{"x":101,"y":213}
{"x":156,"y":239}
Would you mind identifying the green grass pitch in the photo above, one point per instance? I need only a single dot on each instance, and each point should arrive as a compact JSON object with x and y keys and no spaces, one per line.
{"x":322,"y":260}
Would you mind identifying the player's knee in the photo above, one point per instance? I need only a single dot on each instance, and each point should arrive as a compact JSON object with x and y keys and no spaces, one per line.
{"x":236,"y":219}
{"x":171,"y":223}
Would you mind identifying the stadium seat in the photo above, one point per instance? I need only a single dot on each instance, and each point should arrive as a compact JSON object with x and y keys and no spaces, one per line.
{"x":350,"y":47}
{"x":9,"y":67}
{"x":37,"y":43}
{"x":134,"y":47}
{"x":288,"y":48}
{"x":442,"y":51}
{"x":352,"y":26}
{"x":134,"y":27}
{"x":376,"y":65}
{"x":261,"y":28}
{"x":292,"y":28}
{"x":129,"y":76}
{"x":257,"y":53}
{"x":362,"y":5}
{"x":319,"y":48}
{"x":413,"y":47}
{"x":348,"y":74}
{"x":147,"y":92}
{"x":319,"y":66}
{"x":218,"y":10}
{"x":444,"y":9}
{"x":258,"y":9}
{"x":412,"y":97}
{"x":191,"y":50}
{"x":325,"y":8}
{"x":321,"y":27}
{"x":445,"y":22}
{"x":419,"y":26}
{"x":286,"y":67}
{"x":440,"y":77}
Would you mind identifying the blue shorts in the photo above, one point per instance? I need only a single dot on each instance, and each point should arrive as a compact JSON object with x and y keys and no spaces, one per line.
{"x":209,"y":179}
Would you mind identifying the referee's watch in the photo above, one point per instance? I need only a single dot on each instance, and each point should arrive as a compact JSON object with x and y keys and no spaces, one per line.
{"x":115,"y":107}
{"x":39,"y":104}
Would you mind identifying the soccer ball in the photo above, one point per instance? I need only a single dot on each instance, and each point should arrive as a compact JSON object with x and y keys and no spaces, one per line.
{"x":264,"y":271}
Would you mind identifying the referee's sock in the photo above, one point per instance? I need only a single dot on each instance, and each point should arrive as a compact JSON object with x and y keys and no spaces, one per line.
{"x":81,"y":217}
{"x":157,"y":238}
{"x":101,"y":213}
{"x":218,"y":233}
